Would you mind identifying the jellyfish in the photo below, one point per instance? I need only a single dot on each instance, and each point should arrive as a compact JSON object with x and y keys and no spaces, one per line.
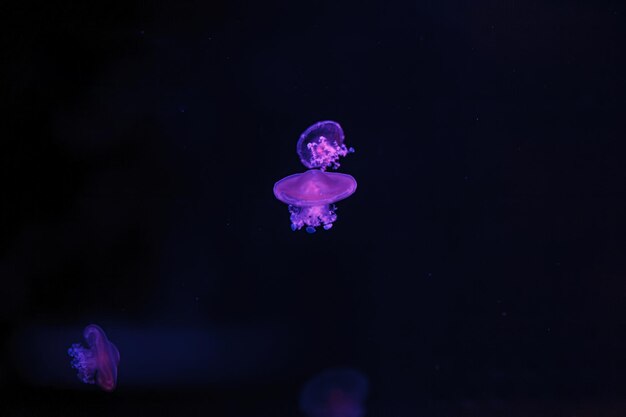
{"x":98,"y":363}
{"x":321,"y":145}
{"x":311,"y":195}
{"x":335,"y":393}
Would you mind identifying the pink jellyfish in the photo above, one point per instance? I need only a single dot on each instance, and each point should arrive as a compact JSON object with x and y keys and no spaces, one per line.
{"x":335,"y":393}
{"x":311,"y":195}
{"x":98,"y":363}
{"x":321,"y":145}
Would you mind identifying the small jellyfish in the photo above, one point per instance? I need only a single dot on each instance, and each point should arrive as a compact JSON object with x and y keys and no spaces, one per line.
{"x":311,"y":195}
{"x":98,"y":363}
{"x":335,"y":393}
{"x":321,"y":145}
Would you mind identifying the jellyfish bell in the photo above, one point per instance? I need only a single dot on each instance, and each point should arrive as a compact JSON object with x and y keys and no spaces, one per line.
{"x":335,"y":393}
{"x":311,"y":196}
{"x":321,"y":145}
{"x":314,"y":188}
{"x":343,"y":404}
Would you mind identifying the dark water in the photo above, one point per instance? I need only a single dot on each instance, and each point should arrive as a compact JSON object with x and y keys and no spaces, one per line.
{"x":478,"y":269}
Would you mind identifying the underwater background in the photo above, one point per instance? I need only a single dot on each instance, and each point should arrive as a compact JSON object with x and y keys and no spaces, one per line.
{"x":478,"y":269}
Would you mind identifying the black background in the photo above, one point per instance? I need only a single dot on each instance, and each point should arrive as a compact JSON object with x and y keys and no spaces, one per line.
{"x":478,"y":270}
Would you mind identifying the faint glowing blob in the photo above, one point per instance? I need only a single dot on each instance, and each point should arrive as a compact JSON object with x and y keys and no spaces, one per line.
{"x":335,"y":393}
{"x":97,"y":363}
{"x":311,"y":195}
{"x":321,"y":145}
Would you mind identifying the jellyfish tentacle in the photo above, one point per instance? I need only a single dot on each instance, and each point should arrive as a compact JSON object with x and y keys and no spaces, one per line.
{"x":84,"y":361}
{"x":325,"y":153}
{"x":312,"y":216}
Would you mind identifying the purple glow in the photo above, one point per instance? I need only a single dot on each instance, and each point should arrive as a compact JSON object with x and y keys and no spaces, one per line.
{"x":98,"y":363}
{"x":335,"y":393}
{"x":321,"y":145}
{"x":311,"y":195}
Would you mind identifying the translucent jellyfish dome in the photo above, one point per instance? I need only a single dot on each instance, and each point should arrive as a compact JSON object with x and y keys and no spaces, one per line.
{"x":314,"y":188}
{"x":321,"y":145}
{"x":335,"y":393}
{"x":311,"y":195}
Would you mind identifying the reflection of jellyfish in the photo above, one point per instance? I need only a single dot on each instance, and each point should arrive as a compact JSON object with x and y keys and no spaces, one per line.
{"x":321,"y":145}
{"x":335,"y":393}
{"x":98,"y":363}
{"x":311,"y":196}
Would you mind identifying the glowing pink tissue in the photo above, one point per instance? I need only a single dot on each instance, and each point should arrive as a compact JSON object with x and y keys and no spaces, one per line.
{"x":321,"y":145}
{"x":98,"y":363}
{"x":311,"y":195}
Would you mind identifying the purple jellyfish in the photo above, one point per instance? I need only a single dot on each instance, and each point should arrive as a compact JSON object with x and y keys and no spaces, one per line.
{"x":335,"y":393}
{"x":98,"y":363}
{"x":321,"y":145}
{"x":311,"y":195}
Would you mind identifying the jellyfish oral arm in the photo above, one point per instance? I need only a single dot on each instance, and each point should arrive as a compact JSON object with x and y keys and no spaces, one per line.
{"x":312,"y":216}
{"x":96,"y":366}
{"x":324,"y":154}
{"x":84,"y":361}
